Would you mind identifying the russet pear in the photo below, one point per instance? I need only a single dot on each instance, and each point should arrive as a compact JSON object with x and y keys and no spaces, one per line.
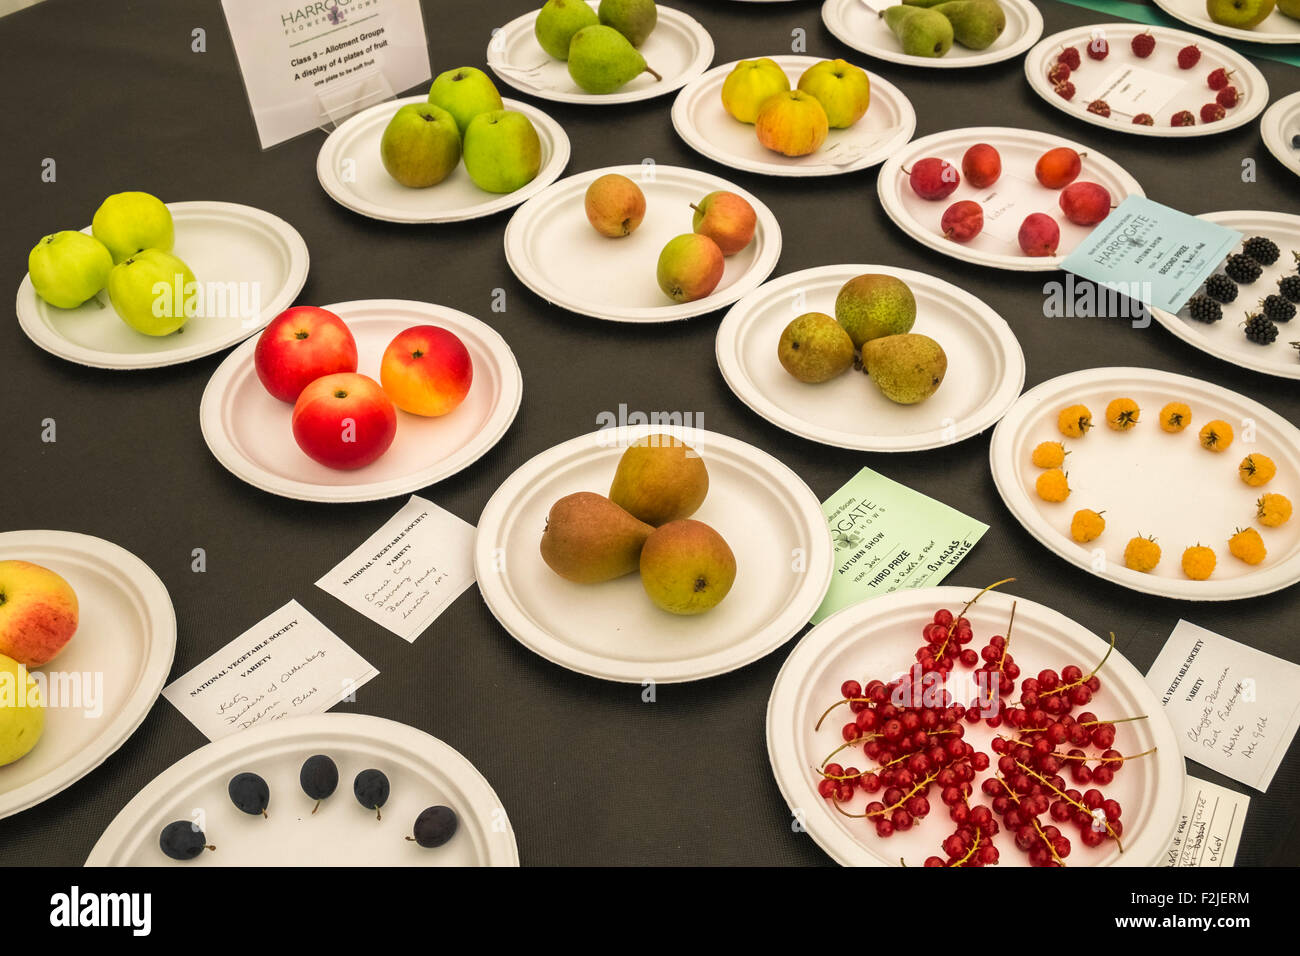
{"x":660,"y":479}
{"x":589,"y":539}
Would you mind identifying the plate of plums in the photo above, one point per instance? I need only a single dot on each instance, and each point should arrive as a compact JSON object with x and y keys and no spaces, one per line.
{"x":149,"y":283}
{"x":858,"y":356}
{"x":602,"y":52}
{"x":324,"y":790}
{"x":653,"y":554}
{"x":643,"y":243}
{"x":1011,"y":199}
{"x":793,"y":116}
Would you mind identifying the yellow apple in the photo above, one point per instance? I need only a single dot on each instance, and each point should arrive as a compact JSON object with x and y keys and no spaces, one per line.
{"x":843,"y":90}
{"x":748,"y":86}
{"x":793,"y":123}
{"x":22,"y":715}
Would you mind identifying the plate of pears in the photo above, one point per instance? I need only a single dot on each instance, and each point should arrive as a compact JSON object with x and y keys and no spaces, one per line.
{"x":941,"y":34}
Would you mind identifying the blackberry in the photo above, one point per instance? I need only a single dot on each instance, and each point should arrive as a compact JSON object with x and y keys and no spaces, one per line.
{"x":1264,"y":251}
{"x":1277,"y":309}
{"x":1243,"y":269}
{"x":1260,"y":330}
{"x":1290,"y":288}
{"x":1204,"y":309}
{"x":1220,"y":288}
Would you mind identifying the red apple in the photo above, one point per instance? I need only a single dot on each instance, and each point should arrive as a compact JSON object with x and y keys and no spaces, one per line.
{"x":299,"y":346}
{"x":344,"y":420}
{"x":426,"y":370}
{"x":38,"y":612}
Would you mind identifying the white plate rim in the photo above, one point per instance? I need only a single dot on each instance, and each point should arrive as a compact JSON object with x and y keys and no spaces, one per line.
{"x":229,"y":457}
{"x":764,"y":262}
{"x":833,"y":13}
{"x":1232,"y":33}
{"x":1270,"y":130}
{"x":44,"y":337}
{"x":152,"y":599}
{"x":793,"y":618}
{"x":727,"y":351}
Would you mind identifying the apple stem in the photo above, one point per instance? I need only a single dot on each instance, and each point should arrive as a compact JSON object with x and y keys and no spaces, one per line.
{"x":695,"y":207}
{"x":651,"y":71}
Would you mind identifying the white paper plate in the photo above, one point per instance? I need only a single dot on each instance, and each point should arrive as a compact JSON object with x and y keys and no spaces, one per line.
{"x":986,"y":374}
{"x":679,"y":49}
{"x":1226,"y":339}
{"x":351,"y":172}
{"x":877,"y":639}
{"x":1276,"y":27}
{"x":422,"y":770}
{"x":1017,"y":190}
{"x":251,"y":256}
{"x":554,"y":251}
{"x":855,"y":24}
{"x":126,"y":636}
{"x":1187,"y":88}
{"x":710,"y":130}
{"x":249,"y":432}
{"x":1152,"y":483}
{"x":766,"y":513}
{"x":1280,"y":123}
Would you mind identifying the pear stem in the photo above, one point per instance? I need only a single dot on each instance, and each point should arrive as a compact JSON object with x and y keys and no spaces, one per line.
{"x":651,"y":71}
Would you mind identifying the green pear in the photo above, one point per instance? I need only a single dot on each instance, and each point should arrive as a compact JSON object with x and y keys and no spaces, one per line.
{"x":870,"y":306}
{"x":815,"y":348}
{"x":659,"y":479}
{"x":921,"y":31}
{"x":976,"y":24}
{"x":421,"y":145}
{"x":602,"y":61}
{"x":558,"y":21}
{"x":923,"y":3}
{"x":154,"y":292}
{"x":464,"y":93}
{"x":687,"y":567}
{"x":68,"y":268}
{"x":589,"y":539}
{"x":502,"y":151}
{"x":1289,"y":8}
{"x":635,"y":19}
{"x":907,"y":368}
{"x":129,"y":222}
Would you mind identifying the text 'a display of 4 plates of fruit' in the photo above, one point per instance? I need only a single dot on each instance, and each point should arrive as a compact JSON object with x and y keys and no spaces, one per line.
{"x":1012,"y":199}
{"x":1245,"y":313}
{"x":361,"y":400}
{"x":1280,"y":130}
{"x":87,"y":635}
{"x":870,"y":357}
{"x":414,"y":161}
{"x":1160,"y":482}
{"x":945,"y":34}
{"x":1149,"y":81}
{"x":879,"y":721}
{"x":149,"y":283}
{"x":325,"y":790}
{"x":653,"y":554}
{"x":1259,"y":21}
{"x":643,"y":243}
{"x":603,"y":53}
{"x":793,"y":116}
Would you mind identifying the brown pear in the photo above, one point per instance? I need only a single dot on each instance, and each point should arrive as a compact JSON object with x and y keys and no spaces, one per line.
{"x":660,"y":479}
{"x":589,"y":539}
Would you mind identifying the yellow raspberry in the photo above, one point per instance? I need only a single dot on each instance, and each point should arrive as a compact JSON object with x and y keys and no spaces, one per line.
{"x":1175,"y":416}
{"x":1087,"y":525}
{"x":1122,"y":414}
{"x":1142,"y":554}
{"x":1049,"y":454}
{"x":1273,"y":510}
{"x":1199,"y":562}
{"x":1256,"y":470}
{"x":1216,"y":435}
{"x":1074,"y":421}
{"x":1052,"y":485}
{"x":1248,"y":546}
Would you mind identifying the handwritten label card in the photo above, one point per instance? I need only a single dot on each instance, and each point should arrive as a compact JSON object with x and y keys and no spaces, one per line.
{"x":1130,"y":89}
{"x":1234,"y":709}
{"x":1209,"y":826}
{"x":286,"y":665}
{"x":409,"y":571}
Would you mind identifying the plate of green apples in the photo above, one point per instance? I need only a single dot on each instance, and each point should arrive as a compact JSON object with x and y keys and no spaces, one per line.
{"x":600,"y":52}
{"x":941,"y":34}
{"x":1258,"y":21}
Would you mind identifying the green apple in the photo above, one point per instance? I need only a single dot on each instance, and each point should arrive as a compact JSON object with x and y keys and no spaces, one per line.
{"x":421,"y":145}
{"x":68,"y":268}
{"x":464,"y":93}
{"x":843,"y":90}
{"x":153,"y":292}
{"x":1243,"y":14}
{"x":129,"y":222}
{"x":502,"y":151}
{"x":748,"y":86}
